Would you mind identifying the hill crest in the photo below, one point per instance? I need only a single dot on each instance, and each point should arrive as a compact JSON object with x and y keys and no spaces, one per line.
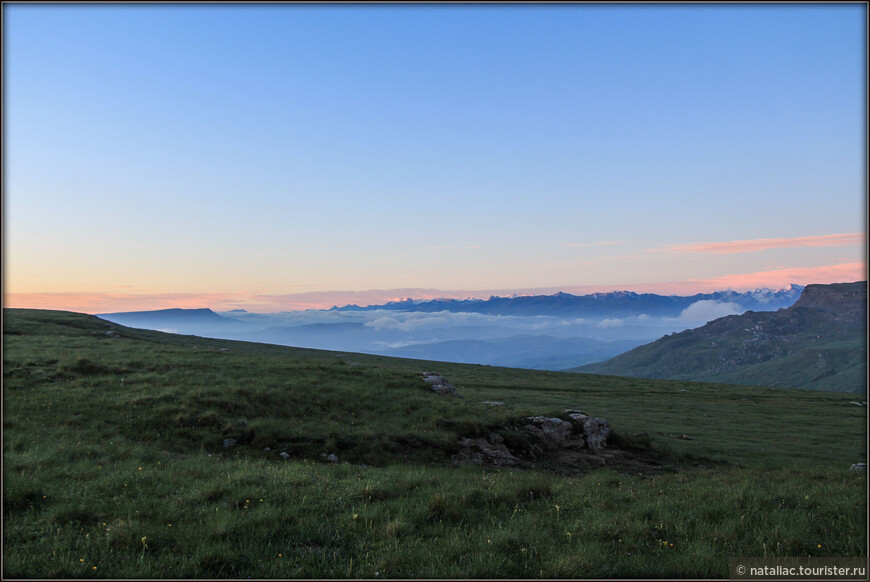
{"x":817,"y":343}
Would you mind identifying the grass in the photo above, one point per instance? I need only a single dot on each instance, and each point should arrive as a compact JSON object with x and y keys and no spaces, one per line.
{"x":799,"y":347}
{"x":114,"y":466}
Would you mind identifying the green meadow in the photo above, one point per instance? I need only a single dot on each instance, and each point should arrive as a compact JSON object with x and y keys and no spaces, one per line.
{"x":114,"y":466}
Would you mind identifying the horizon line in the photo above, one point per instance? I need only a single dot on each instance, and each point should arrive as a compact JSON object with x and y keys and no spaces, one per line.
{"x":109,"y":302}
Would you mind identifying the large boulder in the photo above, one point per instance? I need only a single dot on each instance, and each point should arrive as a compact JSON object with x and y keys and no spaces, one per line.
{"x":553,"y":432}
{"x":596,"y":430}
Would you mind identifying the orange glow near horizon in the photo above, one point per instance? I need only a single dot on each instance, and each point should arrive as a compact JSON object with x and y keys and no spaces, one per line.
{"x":264,"y":303}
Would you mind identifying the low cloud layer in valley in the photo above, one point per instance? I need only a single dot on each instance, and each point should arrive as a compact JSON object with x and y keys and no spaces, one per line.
{"x":709,"y":310}
{"x":551,"y":332}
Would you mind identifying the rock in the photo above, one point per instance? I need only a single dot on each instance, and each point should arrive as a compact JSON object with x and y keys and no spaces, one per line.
{"x":110,"y":333}
{"x":682,"y":437}
{"x":242,"y":423}
{"x":229,"y":443}
{"x":439,"y":384}
{"x":553,"y":431}
{"x":332,"y":458}
{"x":533,"y":431}
{"x":596,"y":431}
{"x":266,"y":450}
{"x":485,"y":451}
{"x":859,"y":467}
{"x":492,"y":403}
{"x":580,"y":440}
{"x":858,"y":403}
{"x":284,"y":455}
{"x":578,"y":416}
{"x":555,"y":428}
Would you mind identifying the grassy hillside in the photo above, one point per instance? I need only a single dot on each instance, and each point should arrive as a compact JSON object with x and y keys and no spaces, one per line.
{"x":819,"y":343}
{"x":114,"y":466}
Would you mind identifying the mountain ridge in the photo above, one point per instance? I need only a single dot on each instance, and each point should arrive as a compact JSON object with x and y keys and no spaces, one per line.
{"x":819,"y":343}
{"x":596,"y":304}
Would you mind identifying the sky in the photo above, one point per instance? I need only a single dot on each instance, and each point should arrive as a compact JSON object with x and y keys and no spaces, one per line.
{"x":278,"y":157}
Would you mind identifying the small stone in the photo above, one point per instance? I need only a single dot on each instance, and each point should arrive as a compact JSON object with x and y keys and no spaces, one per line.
{"x":859,"y":467}
{"x":229,"y":443}
{"x":332,"y":458}
{"x":242,"y":423}
{"x":858,"y":403}
{"x":439,"y":384}
{"x":110,"y":333}
{"x":266,"y":450}
{"x":284,"y":455}
{"x":492,"y":403}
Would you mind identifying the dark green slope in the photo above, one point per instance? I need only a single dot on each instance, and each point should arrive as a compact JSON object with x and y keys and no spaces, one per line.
{"x":114,"y":466}
{"x":66,"y":371}
{"x":819,"y":343}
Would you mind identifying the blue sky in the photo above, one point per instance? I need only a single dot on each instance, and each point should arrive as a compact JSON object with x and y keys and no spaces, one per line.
{"x":189,"y":152}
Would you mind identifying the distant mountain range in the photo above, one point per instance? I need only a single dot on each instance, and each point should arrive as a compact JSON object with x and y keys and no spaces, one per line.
{"x":613,"y":304}
{"x":189,"y":321}
{"x":550,"y":332}
{"x":820,"y":343}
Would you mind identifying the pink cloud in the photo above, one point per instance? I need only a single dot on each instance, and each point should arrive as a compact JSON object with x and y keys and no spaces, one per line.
{"x":780,"y":277}
{"x":771,"y":277}
{"x":763,"y":244}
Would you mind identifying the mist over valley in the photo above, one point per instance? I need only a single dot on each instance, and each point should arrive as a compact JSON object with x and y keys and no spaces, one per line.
{"x":545,"y":332}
